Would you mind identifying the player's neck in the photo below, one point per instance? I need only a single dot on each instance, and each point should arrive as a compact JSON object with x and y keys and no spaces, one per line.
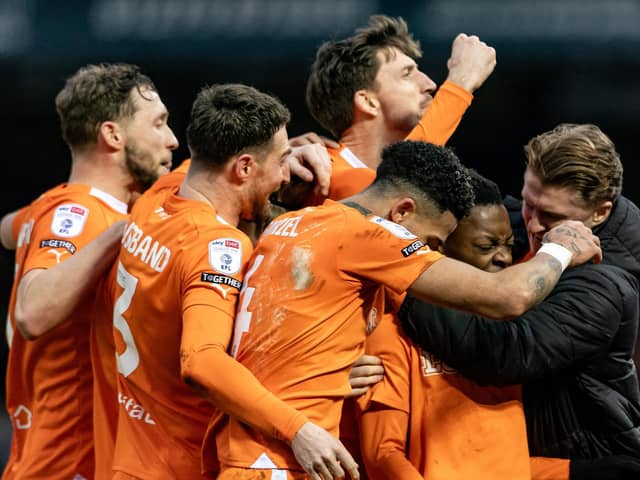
{"x":372,"y":201}
{"x":101,"y":173}
{"x":367,"y":139}
{"x":215,"y":191}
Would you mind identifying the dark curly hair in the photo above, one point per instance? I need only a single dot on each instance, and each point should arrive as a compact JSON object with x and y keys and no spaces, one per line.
{"x":97,"y":94}
{"x":486,"y":192}
{"x":432,"y":173}
{"x":343,"y":67}
{"x":232,"y":118}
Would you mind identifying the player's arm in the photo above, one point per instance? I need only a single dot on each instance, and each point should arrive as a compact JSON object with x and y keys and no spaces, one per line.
{"x":9,"y":227}
{"x":512,"y":291}
{"x":470,"y":64}
{"x":46,"y":297}
{"x":573,"y":325}
{"x":231,"y":387}
{"x":383,"y":434}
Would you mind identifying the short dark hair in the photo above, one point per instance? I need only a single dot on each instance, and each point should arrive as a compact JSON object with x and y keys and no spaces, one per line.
{"x":430,"y":172}
{"x":580,"y":157}
{"x":343,"y":67}
{"x":97,"y":94}
{"x":228,"y":119}
{"x":486,"y":192}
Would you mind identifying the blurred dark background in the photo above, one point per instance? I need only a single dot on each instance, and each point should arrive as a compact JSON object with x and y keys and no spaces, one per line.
{"x":558,"y":61}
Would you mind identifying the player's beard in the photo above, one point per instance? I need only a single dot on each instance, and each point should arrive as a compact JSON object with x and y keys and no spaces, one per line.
{"x":140,"y":166}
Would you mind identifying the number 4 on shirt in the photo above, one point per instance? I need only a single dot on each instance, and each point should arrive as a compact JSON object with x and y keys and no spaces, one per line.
{"x":243,"y":317}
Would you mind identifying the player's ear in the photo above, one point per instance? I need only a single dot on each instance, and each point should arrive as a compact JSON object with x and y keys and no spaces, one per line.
{"x":366,"y":102}
{"x":601,"y":213}
{"x":402,"y":210}
{"x":111,"y":135}
{"x":243,"y":166}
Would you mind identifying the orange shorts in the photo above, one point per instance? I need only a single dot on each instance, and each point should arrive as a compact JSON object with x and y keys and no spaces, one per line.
{"x":235,"y":473}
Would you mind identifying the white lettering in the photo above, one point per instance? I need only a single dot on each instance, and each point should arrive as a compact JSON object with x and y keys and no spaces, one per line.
{"x":284,"y":228}
{"x":148,"y":250}
{"x":135,"y":410}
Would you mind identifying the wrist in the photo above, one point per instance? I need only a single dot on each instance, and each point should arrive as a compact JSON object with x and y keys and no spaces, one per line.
{"x":557,"y":251}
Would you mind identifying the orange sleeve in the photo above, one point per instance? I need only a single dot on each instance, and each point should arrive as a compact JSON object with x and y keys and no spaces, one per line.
{"x":543,"y":468}
{"x":393,"y":390}
{"x":443,"y":115}
{"x":383,"y":252}
{"x":18,"y":220}
{"x":230,"y":386}
{"x":64,"y":229}
{"x":383,"y":434}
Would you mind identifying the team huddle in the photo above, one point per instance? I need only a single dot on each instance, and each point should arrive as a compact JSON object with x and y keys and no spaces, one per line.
{"x":167,"y":324}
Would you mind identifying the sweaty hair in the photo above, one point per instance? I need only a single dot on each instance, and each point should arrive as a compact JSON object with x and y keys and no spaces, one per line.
{"x":232,"y":118}
{"x":343,"y":67}
{"x":97,"y":94}
{"x":430,"y":173}
{"x":485,"y":191}
{"x":579,"y":157}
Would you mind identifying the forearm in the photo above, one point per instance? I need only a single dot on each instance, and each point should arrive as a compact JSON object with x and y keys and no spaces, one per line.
{"x":228,"y":384}
{"x":231,"y":387}
{"x":383,"y":443}
{"x":500,"y":296}
{"x":46,"y":297}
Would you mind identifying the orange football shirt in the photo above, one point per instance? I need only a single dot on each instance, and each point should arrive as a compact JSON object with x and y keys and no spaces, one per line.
{"x":103,"y":354}
{"x":49,"y":379}
{"x":453,"y":428}
{"x":176,"y":255}
{"x":301,"y":319}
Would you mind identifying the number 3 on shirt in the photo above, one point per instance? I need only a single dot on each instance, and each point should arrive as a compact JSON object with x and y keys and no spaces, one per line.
{"x":129,"y":360}
{"x":243,"y":317}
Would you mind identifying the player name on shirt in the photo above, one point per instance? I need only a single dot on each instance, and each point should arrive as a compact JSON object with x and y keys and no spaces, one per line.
{"x":284,"y":228}
{"x":148,"y":250}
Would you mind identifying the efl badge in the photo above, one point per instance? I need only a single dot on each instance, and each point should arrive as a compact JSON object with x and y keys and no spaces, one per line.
{"x":397,"y":230}
{"x":225,"y":255}
{"x":69,"y":219}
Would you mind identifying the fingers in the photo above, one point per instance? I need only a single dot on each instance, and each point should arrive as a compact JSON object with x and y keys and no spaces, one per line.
{"x":365,"y":380}
{"x":335,"y":469}
{"x":356,"y":392}
{"x":322,"y":469}
{"x":312,"y":162}
{"x":297,"y":169}
{"x":365,"y":359}
{"x":472,"y":61}
{"x":311,"y":138}
{"x":347,"y":461}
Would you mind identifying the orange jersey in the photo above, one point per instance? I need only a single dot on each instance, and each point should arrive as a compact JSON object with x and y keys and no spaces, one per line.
{"x":454,"y":429}
{"x":350,"y":175}
{"x":176,"y":255}
{"x":103,"y":355}
{"x":302,"y":318}
{"x":18,"y":220}
{"x":49,"y":379}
